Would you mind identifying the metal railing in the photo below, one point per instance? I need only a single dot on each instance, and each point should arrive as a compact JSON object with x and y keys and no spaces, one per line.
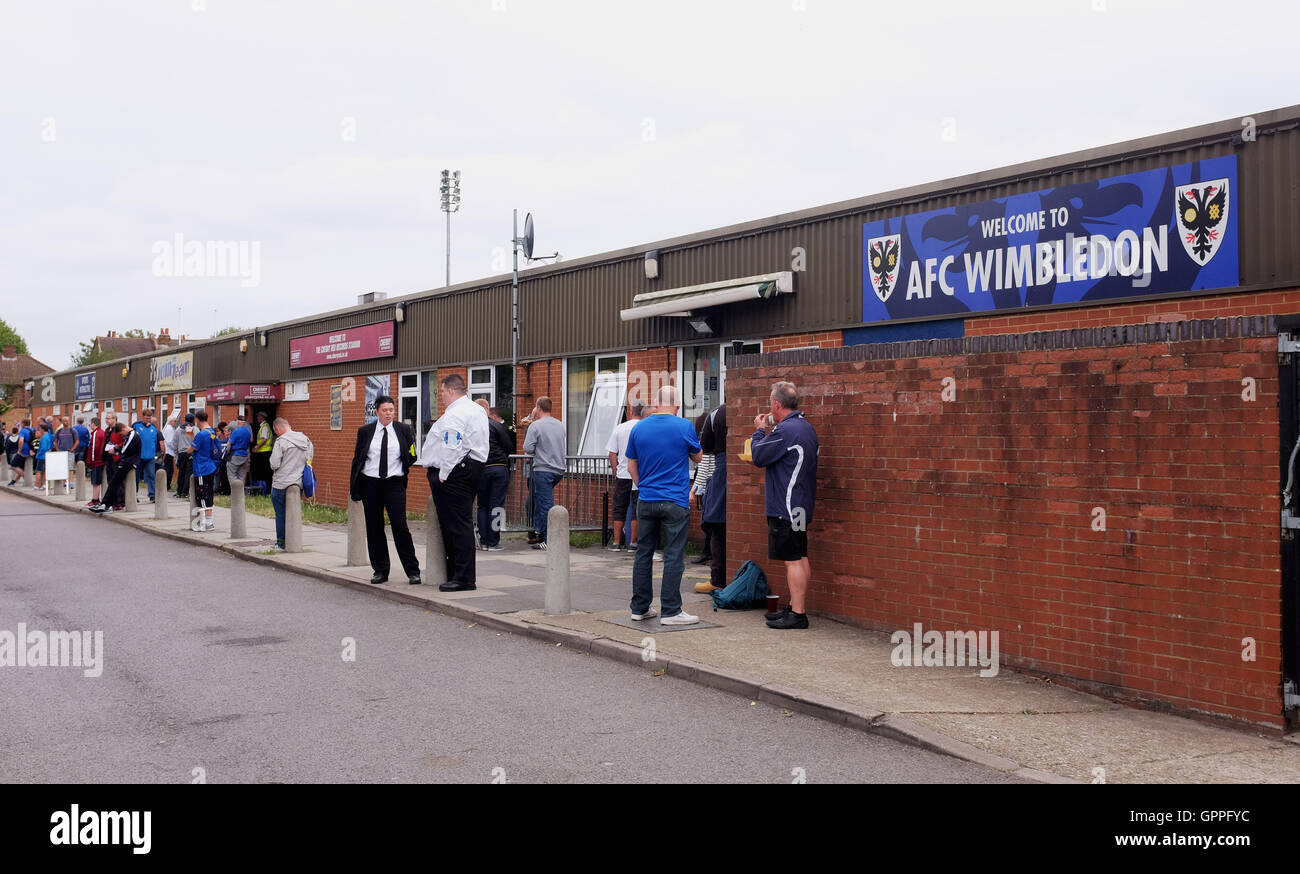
{"x":586,"y":490}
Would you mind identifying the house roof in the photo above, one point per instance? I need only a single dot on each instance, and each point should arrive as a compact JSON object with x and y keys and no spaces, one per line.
{"x":14,"y":370}
{"x":122,"y":347}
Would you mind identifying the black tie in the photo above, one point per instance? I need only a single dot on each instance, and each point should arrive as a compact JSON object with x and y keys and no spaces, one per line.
{"x":383,"y":456}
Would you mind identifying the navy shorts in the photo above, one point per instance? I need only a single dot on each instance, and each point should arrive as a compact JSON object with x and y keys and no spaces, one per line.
{"x":783,"y":542}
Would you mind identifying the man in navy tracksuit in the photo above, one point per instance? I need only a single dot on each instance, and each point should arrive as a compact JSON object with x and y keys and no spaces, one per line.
{"x":788,"y":455}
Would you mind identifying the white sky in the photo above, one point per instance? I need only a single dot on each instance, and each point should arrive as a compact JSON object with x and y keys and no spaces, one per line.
{"x":126,"y":122}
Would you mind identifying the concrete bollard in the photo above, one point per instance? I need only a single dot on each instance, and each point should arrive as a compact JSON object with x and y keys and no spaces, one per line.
{"x":358,"y":556}
{"x":129,"y":496}
{"x":435,"y":552}
{"x":160,"y":494}
{"x":557,"y":562}
{"x":29,"y":472}
{"x":293,"y":518}
{"x":195,"y":519}
{"x":238,"y":510}
{"x":81,"y":482}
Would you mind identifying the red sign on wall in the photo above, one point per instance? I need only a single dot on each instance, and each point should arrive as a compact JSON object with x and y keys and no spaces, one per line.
{"x":243,"y":393}
{"x":345,"y":344}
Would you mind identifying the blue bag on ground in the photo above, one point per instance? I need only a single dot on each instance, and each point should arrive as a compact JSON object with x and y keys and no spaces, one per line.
{"x":748,"y":589}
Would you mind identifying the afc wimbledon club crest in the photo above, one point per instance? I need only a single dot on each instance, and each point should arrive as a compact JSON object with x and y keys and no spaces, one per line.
{"x":883,"y":257}
{"x":1202,"y":209}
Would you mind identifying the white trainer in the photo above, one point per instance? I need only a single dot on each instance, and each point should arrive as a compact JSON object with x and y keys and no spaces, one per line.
{"x":682,"y":618}
{"x":649,"y":614}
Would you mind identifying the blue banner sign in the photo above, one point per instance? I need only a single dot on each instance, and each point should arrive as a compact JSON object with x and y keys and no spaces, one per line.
{"x":1138,"y":235}
{"x":85,"y":386}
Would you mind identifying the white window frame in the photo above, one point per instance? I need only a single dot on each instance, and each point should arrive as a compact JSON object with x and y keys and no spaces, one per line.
{"x":617,"y":381}
{"x":596,"y":375}
{"x":722,"y":367}
{"x":412,"y":392}
{"x":490,"y":387}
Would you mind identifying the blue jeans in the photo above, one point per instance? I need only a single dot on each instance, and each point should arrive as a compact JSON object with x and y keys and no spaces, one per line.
{"x":491,"y":494}
{"x":651,"y":516}
{"x":145,"y":471}
{"x":277,"y":501}
{"x":543,"y":498}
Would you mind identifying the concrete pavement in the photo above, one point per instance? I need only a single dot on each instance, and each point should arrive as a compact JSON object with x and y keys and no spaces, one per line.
{"x":1011,"y":722}
{"x":239,"y":673}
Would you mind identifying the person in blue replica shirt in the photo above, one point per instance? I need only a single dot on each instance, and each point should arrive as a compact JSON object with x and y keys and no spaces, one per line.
{"x":206,"y":456}
{"x":659,"y":451}
{"x":788,"y":456}
{"x":150,"y":445}
{"x":241,"y":441}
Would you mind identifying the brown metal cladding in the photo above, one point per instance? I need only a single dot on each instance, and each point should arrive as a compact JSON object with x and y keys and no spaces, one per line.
{"x":573,"y":308}
{"x":576,"y":312}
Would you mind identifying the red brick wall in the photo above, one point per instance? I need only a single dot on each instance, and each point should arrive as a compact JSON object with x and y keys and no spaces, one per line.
{"x":1217,"y":306}
{"x":824,"y":340}
{"x":976,"y":513}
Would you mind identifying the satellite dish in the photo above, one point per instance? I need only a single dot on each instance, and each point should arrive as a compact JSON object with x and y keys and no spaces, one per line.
{"x":527,"y":239}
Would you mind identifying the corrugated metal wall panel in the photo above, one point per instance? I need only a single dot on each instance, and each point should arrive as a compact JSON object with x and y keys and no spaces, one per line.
{"x":576,"y":311}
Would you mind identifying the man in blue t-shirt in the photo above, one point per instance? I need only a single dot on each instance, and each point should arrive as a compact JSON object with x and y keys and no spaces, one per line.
{"x":659,"y":452}
{"x":204,"y":455}
{"x":150,"y":444}
{"x":241,"y":439}
{"x":83,"y":439}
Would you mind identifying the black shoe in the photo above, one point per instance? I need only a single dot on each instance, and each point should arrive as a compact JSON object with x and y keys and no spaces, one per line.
{"x":777,"y":613}
{"x":379,"y":578}
{"x":414,"y":580}
{"x":704,"y":559}
{"x":790,"y":620}
{"x":456,"y":586}
{"x":534,"y":537}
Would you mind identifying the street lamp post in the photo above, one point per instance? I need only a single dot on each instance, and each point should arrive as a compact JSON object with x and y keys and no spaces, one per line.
{"x":450,"y":203}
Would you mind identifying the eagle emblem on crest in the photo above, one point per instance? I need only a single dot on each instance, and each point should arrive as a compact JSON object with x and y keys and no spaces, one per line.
{"x":1202,"y":210}
{"x":884,"y":257}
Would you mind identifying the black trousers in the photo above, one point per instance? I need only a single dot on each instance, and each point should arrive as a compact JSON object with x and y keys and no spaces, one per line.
{"x":169,"y":465}
{"x":717,"y":546}
{"x":116,"y":494}
{"x":183,"y":465}
{"x":377,"y":497}
{"x":492,"y":487}
{"x":454,"y":500}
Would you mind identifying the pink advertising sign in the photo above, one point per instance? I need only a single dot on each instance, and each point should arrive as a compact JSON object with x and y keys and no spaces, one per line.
{"x":345,"y":344}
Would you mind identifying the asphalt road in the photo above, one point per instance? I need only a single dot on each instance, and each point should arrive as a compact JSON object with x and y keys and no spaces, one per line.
{"x":218,"y":664}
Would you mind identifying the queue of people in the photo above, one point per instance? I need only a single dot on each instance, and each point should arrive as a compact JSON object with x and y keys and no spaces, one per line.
{"x":466,"y":455}
{"x":651,"y":458}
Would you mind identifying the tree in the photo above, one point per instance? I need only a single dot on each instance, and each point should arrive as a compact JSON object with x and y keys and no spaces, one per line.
{"x":10,"y":337}
{"x":87,"y":355}
{"x":232,"y":329}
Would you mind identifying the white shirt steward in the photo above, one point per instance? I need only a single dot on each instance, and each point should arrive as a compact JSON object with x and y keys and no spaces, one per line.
{"x":454,"y":453}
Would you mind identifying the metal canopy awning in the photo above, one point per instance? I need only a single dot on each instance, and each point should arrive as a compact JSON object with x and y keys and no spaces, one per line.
{"x":682,"y":301}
